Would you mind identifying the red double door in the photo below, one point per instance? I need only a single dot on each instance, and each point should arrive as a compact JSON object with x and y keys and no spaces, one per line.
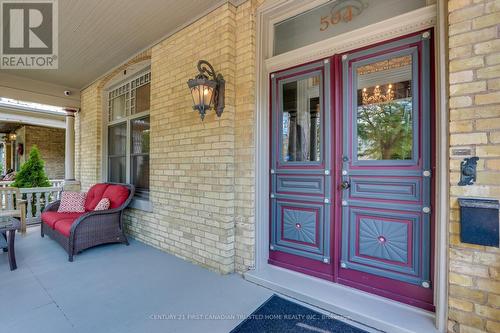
{"x":351,"y":169}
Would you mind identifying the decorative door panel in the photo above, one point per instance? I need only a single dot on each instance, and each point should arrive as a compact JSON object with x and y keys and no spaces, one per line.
{"x":301,"y":229}
{"x":385,"y":243}
{"x":396,"y":189}
{"x":300,"y":234}
{"x":386,"y":167}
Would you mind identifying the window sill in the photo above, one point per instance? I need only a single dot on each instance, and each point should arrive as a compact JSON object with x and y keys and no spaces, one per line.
{"x":141,"y":204}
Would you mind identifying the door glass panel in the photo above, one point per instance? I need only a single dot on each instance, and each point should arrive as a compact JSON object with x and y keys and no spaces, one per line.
{"x":301,"y":128}
{"x":384,"y":110}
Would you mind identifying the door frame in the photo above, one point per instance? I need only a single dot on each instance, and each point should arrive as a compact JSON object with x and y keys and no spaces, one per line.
{"x":433,"y":16}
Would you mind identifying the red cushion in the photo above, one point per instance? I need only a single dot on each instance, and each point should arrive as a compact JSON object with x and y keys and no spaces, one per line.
{"x":50,"y":218}
{"x":64,"y":226}
{"x":117,"y":195}
{"x":94,"y":195}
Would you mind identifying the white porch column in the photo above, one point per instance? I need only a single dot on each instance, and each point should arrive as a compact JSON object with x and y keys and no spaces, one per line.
{"x":69,"y":154}
{"x":70,"y":184}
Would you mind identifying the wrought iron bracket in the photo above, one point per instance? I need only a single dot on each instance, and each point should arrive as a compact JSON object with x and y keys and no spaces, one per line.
{"x":468,"y":171}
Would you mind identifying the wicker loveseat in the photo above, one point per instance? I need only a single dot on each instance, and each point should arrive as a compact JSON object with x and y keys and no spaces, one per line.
{"x":79,"y":231}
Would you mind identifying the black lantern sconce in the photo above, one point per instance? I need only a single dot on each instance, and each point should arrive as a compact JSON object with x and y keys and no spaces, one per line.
{"x":207,"y":90}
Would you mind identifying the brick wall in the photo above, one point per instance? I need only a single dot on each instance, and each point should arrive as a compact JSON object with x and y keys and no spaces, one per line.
{"x":50,"y":142}
{"x":88,"y":124}
{"x":202,"y":173}
{"x":474,"y":50}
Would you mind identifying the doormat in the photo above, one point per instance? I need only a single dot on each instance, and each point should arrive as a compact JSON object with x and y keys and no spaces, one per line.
{"x":280,"y":315}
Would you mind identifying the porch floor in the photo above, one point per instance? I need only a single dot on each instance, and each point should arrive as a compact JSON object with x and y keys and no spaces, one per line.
{"x":116,"y":288}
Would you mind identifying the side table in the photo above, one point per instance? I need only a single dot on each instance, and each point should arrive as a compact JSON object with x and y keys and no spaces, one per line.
{"x":8,"y":227}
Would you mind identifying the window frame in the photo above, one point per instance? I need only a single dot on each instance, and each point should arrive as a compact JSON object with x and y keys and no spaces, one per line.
{"x":137,"y":202}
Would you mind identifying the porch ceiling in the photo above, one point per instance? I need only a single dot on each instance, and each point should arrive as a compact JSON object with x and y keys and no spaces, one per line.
{"x":96,"y":36}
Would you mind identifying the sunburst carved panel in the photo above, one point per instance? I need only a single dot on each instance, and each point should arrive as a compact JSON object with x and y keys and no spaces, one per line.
{"x":300,"y":225}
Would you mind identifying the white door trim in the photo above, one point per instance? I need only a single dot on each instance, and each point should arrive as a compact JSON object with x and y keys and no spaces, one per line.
{"x":430,"y":16}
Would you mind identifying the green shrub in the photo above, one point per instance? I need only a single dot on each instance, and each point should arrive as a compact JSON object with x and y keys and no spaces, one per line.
{"x":32,"y":173}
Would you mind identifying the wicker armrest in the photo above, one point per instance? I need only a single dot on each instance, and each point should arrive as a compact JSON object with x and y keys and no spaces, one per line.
{"x":52,"y":207}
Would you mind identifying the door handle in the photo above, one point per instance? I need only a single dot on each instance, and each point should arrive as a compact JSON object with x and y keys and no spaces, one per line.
{"x":345,"y":185}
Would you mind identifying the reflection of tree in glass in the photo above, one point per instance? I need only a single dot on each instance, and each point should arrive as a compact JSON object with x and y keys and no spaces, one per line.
{"x":385,"y":130}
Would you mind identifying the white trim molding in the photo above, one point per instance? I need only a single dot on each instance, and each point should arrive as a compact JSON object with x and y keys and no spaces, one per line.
{"x":29,"y":116}
{"x":281,"y":280}
{"x":441,"y":218}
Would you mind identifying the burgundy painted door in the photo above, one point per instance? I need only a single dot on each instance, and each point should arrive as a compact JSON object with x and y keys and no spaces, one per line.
{"x":300,"y":228}
{"x":386,"y":171}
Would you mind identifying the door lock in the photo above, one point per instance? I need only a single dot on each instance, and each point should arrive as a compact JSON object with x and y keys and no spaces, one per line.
{"x":345,"y":185}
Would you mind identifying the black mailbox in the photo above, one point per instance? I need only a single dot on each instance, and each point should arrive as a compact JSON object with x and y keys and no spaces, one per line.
{"x":479,"y":221}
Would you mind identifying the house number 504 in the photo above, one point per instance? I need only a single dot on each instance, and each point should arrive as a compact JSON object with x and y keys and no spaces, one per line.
{"x":343,"y":14}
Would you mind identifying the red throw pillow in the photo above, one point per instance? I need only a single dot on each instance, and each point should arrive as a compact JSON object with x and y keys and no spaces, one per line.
{"x":72,"y":202}
{"x":103,"y":204}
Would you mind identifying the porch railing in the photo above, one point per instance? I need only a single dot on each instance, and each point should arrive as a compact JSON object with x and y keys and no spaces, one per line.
{"x":36,"y":200}
{"x":53,"y":182}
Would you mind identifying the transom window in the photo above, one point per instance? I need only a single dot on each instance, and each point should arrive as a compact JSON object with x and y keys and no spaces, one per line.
{"x":129,"y":134}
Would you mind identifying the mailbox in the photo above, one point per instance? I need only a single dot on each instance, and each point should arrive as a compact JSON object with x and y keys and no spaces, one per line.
{"x":479,"y":221}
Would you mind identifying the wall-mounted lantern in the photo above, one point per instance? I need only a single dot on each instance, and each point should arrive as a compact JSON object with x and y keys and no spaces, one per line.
{"x":207,"y":90}
{"x":12,"y":137}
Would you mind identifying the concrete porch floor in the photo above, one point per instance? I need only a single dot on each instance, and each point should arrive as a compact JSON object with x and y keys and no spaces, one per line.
{"x":116,"y":288}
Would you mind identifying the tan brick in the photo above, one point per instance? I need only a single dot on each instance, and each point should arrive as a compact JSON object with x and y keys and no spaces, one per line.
{"x":469,"y":138}
{"x":487,"y":151}
{"x":487,"y":47}
{"x":466,"y":13}
{"x":494,"y":164}
{"x":488,"y":312}
{"x":494,"y":273}
{"x":461,"y":304}
{"x":460,"y":52}
{"x":490,"y":123}
{"x":486,"y":258}
{"x":495,"y":137}
{"x":461,"y":126}
{"x":488,"y":72}
{"x":488,"y":178}
{"x":458,"y":4}
{"x":460,"y":77}
{"x":489,"y":286}
{"x":486,"y":111}
{"x":492,"y":6}
{"x":460,"y":102}
{"x":473,"y":37}
{"x":466,"y":318}
{"x":476,"y":296}
{"x":468,"y":329}
{"x":494,"y":84}
{"x":460,"y":279}
{"x":459,"y":254}
{"x":469,"y":269}
{"x":493,"y":59}
{"x":493,"y":326}
{"x":486,"y":20}
{"x":459,"y":28}
{"x":467,"y":63}
{"x":488,"y":98}
{"x":494,"y":301}
{"x":467,"y":88}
